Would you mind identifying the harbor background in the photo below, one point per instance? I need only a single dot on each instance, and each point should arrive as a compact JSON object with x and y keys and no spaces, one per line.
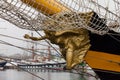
{"x":13,"y":74}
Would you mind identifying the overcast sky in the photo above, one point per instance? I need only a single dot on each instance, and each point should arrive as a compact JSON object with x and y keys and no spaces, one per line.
{"x":9,"y":29}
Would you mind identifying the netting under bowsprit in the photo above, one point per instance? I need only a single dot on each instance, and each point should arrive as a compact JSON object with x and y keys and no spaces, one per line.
{"x":72,"y":20}
{"x":29,"y":17}
{"x":20,"y":14}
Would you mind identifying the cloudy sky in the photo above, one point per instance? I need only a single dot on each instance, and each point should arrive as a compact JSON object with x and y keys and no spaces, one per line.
{"x":9,"y":29}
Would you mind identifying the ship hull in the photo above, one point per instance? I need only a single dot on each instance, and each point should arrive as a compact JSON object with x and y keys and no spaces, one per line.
{"x":107,"y":75}
{"x":104,"y":56}
{"x":2,"y":64}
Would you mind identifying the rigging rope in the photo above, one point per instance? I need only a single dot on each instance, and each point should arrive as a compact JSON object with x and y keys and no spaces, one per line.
{"x":26,"y":21}
{"x":23,"y":48}
{"x":44,"y":53}
{"x":22,"y":39}
{"x":3,"y":42}
{"x":89,"y":56}
{"x":111,"y":35}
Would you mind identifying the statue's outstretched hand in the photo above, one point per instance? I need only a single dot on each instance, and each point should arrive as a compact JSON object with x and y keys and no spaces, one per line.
{"x":26,"y":36}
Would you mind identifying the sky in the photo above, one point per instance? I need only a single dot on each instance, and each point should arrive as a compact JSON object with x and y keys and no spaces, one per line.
{"x":9,"y":29}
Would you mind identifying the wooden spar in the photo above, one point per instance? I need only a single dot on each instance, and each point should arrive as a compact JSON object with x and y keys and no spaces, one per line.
{"x":47,"y":7}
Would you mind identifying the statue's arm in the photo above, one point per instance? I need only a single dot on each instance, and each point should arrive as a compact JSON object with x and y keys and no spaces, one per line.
{"x":34,"y":38}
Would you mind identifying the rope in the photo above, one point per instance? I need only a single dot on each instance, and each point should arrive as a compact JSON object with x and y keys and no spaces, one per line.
{"x":21,"y":39}
{"x":105,"y":8}
{"x":3,"y":42}
{"x":48,"y":43}
{"x":32,"y":26}
{"x":47,"y":68}
{"x":111,"y":35}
